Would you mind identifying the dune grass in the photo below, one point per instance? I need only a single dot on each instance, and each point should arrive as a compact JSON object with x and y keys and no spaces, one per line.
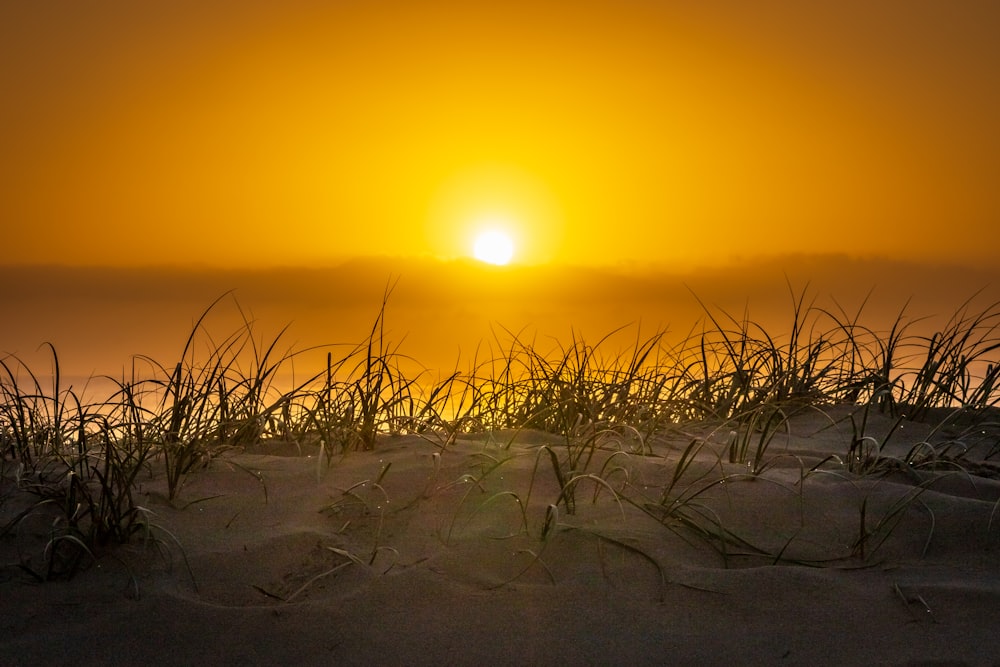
{"x":81,"y":460}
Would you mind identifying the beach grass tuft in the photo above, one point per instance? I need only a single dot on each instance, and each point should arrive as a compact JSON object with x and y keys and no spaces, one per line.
{"x":610,"y":409}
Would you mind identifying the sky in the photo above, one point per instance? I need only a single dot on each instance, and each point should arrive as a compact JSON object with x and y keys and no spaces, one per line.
{"x":645,"y":157}
{"x":672,"y":134}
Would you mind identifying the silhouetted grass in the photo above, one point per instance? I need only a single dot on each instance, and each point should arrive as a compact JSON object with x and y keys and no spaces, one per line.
{"x":82,"y":460}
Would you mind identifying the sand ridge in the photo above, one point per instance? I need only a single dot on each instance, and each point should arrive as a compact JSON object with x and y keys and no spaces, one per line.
{"x":425,"y":552}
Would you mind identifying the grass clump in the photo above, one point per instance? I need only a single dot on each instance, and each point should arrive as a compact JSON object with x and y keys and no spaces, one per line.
{"x":82,"y":460}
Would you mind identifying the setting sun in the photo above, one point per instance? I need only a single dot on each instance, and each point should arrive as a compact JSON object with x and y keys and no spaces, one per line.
{"x":611,"y":279}
{"x":493,"y":247}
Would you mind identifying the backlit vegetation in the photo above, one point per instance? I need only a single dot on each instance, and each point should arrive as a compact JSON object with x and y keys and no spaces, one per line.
{"x":729,"y":388}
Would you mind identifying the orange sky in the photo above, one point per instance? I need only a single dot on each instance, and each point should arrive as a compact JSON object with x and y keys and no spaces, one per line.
{"x":257,"y":133}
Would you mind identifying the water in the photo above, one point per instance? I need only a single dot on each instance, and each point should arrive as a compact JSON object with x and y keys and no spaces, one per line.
{"x":440,"y":317}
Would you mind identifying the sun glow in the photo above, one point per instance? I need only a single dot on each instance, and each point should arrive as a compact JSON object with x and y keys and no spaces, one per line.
{"x":493,"y":247}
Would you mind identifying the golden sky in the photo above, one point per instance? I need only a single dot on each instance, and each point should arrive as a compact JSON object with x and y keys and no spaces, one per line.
{"x":253,"y":133}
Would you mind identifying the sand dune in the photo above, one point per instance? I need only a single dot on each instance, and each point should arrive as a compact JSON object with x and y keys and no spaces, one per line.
{"x":420,"y":553}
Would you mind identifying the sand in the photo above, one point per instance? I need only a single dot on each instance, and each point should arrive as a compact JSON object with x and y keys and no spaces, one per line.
{"x":270,"y":556}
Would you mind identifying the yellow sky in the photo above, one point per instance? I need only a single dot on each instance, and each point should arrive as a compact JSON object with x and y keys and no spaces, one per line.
{"x":302,"y":133}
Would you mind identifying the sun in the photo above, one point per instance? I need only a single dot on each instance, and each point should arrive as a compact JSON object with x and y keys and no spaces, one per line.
{"x":493,"y":247}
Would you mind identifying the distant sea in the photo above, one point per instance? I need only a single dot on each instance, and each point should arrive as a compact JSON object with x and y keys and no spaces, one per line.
{"x":442,"y":316}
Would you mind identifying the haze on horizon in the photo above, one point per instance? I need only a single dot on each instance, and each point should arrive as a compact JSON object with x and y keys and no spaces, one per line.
{"x":447,"y":316}
{"x":259,"y":134}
